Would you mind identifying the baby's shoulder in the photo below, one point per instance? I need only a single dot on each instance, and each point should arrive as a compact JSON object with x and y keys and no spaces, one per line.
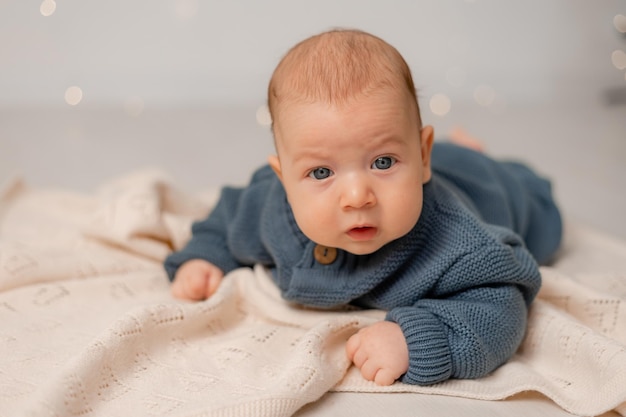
{"x":453,"y":217}
{"x":263,"y":174}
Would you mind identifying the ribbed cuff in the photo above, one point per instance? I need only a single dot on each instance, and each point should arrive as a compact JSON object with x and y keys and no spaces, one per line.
{"x":429,"y":352}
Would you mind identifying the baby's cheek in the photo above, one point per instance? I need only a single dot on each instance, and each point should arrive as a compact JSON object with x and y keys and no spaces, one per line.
{"x":312,"y":219}
{"x":404,"y":213}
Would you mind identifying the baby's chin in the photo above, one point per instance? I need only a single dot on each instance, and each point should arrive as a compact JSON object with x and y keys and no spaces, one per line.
{"x":361,"y":253}
{"x":363,"y":249}
{"x":359,"y":248}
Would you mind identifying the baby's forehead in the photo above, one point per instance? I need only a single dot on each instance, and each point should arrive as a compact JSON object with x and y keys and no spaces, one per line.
{"x":384,"y":114}
{"x":305,"y":105}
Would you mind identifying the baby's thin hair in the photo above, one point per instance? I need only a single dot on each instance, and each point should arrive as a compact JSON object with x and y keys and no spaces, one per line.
{"x":336,"y":66}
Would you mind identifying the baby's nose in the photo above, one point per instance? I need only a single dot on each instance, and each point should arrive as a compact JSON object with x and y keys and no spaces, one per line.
{"x":357,"y":193}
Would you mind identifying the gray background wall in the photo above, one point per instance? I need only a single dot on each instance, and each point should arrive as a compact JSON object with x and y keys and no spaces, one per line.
{"x":192,"y":51}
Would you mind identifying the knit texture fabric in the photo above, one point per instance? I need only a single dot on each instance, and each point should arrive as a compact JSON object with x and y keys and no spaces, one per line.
{"x":458,"y":284}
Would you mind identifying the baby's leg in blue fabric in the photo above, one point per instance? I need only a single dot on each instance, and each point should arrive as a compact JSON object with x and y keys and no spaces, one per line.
{"x":544,"y":228}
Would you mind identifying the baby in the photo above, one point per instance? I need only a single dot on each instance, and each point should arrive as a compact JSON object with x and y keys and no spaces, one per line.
{"x":360,"y":207}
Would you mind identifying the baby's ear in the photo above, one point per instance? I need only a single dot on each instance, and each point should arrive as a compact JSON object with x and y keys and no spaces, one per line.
{"x":427,"y":136}
{"x":275,"y":165}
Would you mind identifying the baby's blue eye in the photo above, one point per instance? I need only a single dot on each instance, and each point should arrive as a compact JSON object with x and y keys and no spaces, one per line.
{"x":384,"y":162}
{"x":320,"y":173}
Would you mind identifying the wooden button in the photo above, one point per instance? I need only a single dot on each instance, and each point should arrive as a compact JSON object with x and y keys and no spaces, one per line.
{"x":324,"y":254}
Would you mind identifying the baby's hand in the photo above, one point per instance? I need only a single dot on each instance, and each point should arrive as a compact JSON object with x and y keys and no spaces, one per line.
{"x":196,"y":279}
{"x":380,"y":352}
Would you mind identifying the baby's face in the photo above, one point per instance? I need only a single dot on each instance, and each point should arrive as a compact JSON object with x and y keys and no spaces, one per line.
{"x":353,"y":174}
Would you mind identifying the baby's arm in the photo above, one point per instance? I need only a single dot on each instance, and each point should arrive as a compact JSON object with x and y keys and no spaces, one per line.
{"x":380,"y":352}
{"x":196,"y":279}
{"x":227,"y":239}
{"x":472,"y":322}
{"x":440,"y":340}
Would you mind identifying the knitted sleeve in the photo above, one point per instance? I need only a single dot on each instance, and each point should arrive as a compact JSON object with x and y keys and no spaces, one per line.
{"x":476,"y":318}
{"x":229,"y":237}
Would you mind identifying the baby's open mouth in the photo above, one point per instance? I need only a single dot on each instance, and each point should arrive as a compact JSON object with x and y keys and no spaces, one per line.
{"x":362,"y":233}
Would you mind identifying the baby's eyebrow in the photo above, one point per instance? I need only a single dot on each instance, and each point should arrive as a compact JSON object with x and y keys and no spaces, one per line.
{"x":319,"y":154}
{"x":384,"y":140}
{"x":313,"y":154}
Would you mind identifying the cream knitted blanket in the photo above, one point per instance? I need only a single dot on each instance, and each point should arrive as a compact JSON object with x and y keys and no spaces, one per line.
{"x":88,"y":328}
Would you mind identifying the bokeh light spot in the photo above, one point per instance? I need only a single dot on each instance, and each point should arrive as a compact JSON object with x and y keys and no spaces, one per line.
{"x":618,"y":57}
{"x":440,"y":104}
{"x":47,"y":7}
{"x":73,"y":95}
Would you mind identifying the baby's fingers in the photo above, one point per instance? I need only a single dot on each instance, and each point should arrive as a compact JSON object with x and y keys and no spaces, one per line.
{"x":352,"y":346}
{"x":371,"y":370}
{"x":213,"y":283}
{"x":190,"y":287}
{"x":384,"y":377}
